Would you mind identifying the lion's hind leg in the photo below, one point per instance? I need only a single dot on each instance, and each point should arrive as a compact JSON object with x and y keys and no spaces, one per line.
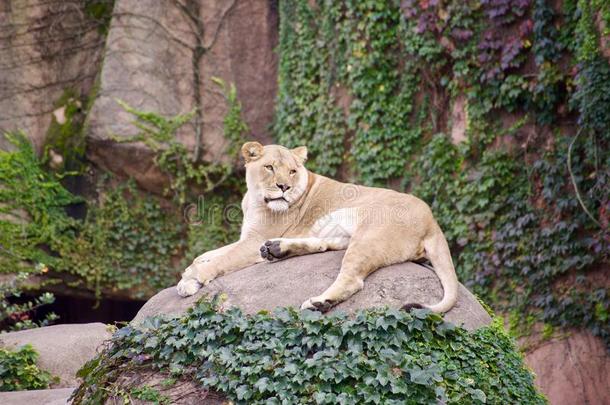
{"x":363,"y":256}
{"x":281,"y":248}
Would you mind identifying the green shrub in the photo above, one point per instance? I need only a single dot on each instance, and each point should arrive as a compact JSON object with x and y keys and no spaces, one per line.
{"x":18,"y":370}
{"x":125,"y":242}
{"x":18,"y":316}
{"x":377,"y":356}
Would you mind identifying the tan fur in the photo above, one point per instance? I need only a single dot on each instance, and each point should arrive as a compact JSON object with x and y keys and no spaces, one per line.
{"x":290,"y":211}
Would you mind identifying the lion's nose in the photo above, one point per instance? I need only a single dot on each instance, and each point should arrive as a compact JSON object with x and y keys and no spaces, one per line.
{"x":283,"y":187}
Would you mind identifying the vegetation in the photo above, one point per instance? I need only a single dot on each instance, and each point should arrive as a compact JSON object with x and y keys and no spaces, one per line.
{"x":19,"y":315}
{"x":127,"y":243}
{"x":18,"y":370}
{"x":172,"y":156}
{"x":524,"y":199}
{"x":377,"y":356}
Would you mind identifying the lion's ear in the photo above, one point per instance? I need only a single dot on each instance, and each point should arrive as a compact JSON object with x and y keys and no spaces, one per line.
{"x":251,"y":151}
{"x":300,"y":153}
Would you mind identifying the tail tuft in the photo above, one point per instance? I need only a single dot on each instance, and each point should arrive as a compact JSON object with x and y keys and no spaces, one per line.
{"x":409,"y":307}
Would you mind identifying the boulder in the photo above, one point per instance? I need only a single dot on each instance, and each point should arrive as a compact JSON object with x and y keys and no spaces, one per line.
{"x":57,"y":396}
{"x":62,"y":349}
{"x":289,"y":282}
{"x":572,"y":370}
{"x":162,"y":56}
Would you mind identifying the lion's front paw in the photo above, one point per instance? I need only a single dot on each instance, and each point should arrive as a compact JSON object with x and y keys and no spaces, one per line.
{"x":272,"y":249}
{"x":318,"y":304}
{"x":187,"y":287}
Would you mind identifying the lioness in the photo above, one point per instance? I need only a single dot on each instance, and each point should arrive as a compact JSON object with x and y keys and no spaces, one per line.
{"x":291,"y":211}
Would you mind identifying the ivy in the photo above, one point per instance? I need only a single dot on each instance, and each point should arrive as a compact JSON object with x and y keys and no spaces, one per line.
{"x":125,"y":242}
{"x":213,"y":222}
{"x":32,"y":204}
{"x":149,"y":394}
{"x":18,"y":370}
{"x":64,"y":149}
{"x":376,"y":356}
{"x":528,"y":224}
{"x":306,"y":112}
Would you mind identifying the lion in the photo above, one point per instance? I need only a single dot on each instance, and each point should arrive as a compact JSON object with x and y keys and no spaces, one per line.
{"x":289,"y":211}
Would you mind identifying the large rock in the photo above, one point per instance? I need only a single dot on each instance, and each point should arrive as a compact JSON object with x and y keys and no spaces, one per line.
{"x":46,"y":49}
{"x":292,"y":281}
{"x":161,"y":57}
{"x":572,"y":370}
{"x":58,"y":396}
{"x":62,"y":349}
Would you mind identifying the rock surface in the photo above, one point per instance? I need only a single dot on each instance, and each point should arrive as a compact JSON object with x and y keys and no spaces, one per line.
{"x":62,"y":349}
{"x":292,"y":281}
{"x":161,"y":57}
{"x":46,"y":48}
{"x":288,"y":283}
{"x":572,"y":370}
{"x":182,"y":392}
{"x":58,"y":396}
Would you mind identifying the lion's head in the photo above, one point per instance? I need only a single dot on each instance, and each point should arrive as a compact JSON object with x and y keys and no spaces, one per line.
{"x":275,"y":174}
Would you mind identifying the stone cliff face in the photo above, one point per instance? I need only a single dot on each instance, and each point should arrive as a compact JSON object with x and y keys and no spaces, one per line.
{"x":162,"y":56}
{"x":46,"y":48}
{"x":156,"y":56}
{"x":572,"y":370}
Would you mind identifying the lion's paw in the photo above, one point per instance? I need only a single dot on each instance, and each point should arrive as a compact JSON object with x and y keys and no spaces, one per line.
{"x":187,"y":287}
{"x":318,"y":304}
{"x":272,"y":249}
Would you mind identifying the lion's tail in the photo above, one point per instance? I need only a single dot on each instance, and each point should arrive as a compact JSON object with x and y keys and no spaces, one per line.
{"x":437,"y":251}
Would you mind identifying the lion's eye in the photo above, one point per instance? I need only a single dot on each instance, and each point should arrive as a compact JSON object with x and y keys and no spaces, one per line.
{"x":293,"y":172}
{"x":269,"y":167}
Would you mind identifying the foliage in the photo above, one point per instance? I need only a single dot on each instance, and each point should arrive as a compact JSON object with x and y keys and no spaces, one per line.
{"x":376,"y":356}
{"x":126,"y":241}
{"x":149,"y":394}
{"x":18,"y":316}
{"x":214,"y":219}
{"x":173,"y":157}
{"x":213,"y":222}
{"x":234,"y":126}
{"x":32,"y":205}
{"x":18,"y":370}
{"x":527,"y":224}
{"x":64,"y":148}
{"x":306,"y":112}
{"x":506,"y":249}
{"x":101,"y":12}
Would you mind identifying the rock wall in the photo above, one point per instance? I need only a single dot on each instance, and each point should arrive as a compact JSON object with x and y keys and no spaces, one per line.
{"x":572,"y":370}
{"x":162,"y":56}
{"x":46,"y":48}
{"x":156,"y":56}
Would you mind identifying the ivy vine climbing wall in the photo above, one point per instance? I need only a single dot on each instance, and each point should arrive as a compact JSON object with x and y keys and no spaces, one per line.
{"x":372,"y":86}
